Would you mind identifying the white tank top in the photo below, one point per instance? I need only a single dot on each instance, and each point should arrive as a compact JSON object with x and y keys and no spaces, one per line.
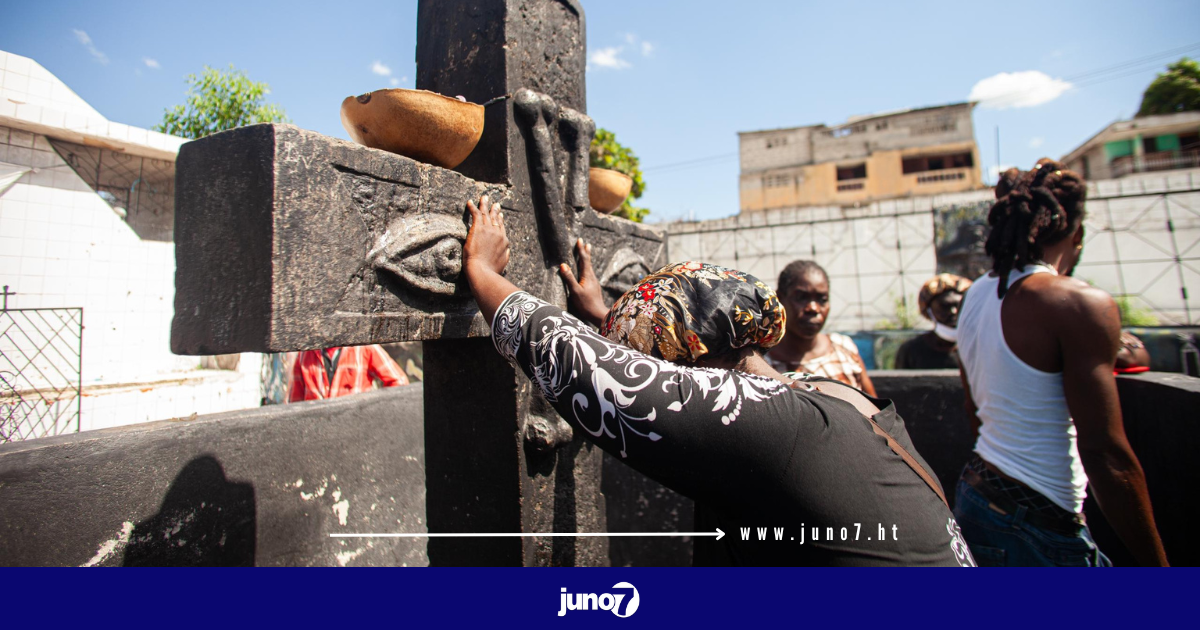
{"x":1026,"y":429}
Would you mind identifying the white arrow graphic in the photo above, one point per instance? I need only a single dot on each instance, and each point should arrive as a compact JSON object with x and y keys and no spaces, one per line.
{"x":719,"y":535}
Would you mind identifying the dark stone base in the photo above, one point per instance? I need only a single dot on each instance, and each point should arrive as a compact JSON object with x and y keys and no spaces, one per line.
{"x":636,"y":503}
{"x":258,"y":487}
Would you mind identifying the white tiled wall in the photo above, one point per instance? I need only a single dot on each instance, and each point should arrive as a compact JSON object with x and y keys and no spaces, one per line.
{"x":208,"y":391}
{"x":30,"y":93}
{"x":61,"y":245}
{"x":26,"y":82}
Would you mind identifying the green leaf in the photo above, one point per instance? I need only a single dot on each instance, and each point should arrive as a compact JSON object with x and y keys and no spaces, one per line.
{"x":219,"y":100}
{"x":1176,"y":90}
{"x":1133,"y":315}
{"x":606,"y":152}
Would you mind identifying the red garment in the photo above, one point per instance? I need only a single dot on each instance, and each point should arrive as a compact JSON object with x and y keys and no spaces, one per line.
{"x":357,"y":366}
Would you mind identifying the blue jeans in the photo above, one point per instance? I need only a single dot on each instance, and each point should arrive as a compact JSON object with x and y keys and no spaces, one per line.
{"x":1006,"y":540}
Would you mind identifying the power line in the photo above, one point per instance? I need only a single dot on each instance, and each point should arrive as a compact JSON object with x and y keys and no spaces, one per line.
{"x":1092,"y":77}
{"x":1102,"y":79}
{"x":1121,"y":70}
{"x":1139,"y":61}
{"x":690,"y":163}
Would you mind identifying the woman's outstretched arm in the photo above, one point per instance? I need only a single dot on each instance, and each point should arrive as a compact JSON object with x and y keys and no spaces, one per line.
{"x":695,"y":430}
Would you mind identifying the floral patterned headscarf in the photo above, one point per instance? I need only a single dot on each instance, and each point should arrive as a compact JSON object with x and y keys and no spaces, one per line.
{"x":687,"y":310}
{"x":938,"y":285}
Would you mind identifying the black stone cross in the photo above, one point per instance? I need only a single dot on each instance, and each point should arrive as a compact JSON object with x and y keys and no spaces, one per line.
{"x":289,"y":240}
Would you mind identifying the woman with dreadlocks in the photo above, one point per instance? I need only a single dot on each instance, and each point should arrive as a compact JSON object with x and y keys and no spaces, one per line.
{"x":1037,"y":350}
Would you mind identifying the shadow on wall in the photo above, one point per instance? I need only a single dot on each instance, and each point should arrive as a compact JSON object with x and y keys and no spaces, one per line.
{"x":205,"y":520}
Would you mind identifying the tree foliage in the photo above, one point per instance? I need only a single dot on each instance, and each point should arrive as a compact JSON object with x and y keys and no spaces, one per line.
{"x":608,"y":153}
{"x":904,"y":316}
{"x":1176,"y":90}
{"x":218,"y":100}
{"x":1133,"y":315}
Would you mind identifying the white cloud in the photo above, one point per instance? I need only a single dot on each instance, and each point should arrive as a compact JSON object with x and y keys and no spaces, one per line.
{"x":151,"y":63}
{"x":380,"y":69}
{"x":395,"y":81}
{"x":91,"y":48}
{"x":1036,"y":142}
{"x":630,"y":39}
{"x":609,"y":58}
{"x":1017,"y":89}
{"x":647,"y":49}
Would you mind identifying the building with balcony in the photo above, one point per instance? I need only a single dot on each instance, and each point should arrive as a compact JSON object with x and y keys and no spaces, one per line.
{"x":915,"y":152}
{"x":1145,"y":144}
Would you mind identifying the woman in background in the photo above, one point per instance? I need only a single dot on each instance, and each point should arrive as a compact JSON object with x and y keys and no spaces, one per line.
{"x":940,"y":300}
{"x":804,"y":292}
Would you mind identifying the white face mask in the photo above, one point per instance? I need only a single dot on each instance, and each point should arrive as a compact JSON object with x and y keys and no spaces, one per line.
{"x":946,"y":333}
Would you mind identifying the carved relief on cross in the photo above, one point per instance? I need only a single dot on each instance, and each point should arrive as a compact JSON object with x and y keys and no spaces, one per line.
{"x":289,"y":240}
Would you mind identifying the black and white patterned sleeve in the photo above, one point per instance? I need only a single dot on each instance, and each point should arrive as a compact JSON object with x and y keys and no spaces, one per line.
{"x":682,"y":426}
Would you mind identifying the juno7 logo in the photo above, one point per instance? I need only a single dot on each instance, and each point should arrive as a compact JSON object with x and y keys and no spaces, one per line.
{"x":623,"y":603}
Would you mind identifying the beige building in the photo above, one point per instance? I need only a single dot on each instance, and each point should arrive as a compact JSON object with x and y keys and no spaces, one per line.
{"x":1146,"y":144}
{"x":916,"y":152}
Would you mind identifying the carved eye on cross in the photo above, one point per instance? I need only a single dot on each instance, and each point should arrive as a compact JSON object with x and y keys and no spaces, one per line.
{"x":424,"y":252}
{"x":290,"y":240}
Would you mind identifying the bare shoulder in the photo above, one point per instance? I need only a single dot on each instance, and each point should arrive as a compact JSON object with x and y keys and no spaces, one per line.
{"x":1080,"y":311}
{"x":1066,"y":298}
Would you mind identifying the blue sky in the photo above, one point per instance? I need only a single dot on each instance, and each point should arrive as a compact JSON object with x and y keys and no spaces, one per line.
{"x":676,"y":81}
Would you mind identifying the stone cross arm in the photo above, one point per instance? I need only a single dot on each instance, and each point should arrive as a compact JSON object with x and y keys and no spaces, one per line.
{"x":289,"y":240}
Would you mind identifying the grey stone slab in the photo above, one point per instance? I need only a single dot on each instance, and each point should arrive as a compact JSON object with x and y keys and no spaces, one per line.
{"x":1161,"y":421}
{"x":500,"y":459}
{"x":289,"y":240}
{"x":636,"y":503}
{"x":259,"y":487}
{"x":489,"y":48}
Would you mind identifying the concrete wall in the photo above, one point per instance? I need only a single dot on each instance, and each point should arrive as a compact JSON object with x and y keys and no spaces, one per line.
{"x":1142,"y":244}
{"x":268,"y":486}
{"x":875,"y":255}
{"x":259,"y":487}
{"x":636,"y":503}
{"x":775,"y":148}
{"x":1163,"y":426}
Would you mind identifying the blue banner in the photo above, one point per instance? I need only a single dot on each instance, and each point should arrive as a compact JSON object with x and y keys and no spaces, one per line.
{"x":615,"y":597}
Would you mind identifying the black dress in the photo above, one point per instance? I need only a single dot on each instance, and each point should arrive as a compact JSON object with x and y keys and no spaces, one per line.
{"x":764,"y":456}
